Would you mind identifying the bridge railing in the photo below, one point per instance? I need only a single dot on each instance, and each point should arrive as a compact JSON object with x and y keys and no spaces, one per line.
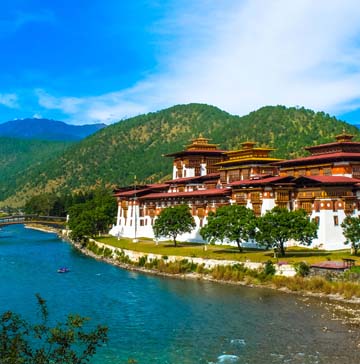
{"x":19,"y":218}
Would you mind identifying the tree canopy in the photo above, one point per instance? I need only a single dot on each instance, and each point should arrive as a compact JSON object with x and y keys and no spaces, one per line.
{"x":93,"y":216}
{"x":22,"y":342}
{"x":174,"y":221}
{"x":351,"y":231}
{"x":280,"y":225}
{"x":232,"y":223}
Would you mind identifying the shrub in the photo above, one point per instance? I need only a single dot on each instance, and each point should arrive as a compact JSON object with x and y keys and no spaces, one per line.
{"x":269,"y":268}
{"x":152,"y":264}
{"x":107,"y":253}
{"x":142,"y":260}
{"x":355,"y":269}
{"x":200,"y":269}
{"x":302,"y":269}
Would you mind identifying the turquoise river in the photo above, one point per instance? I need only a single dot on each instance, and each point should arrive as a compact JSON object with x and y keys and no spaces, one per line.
{"x":161,"y":320}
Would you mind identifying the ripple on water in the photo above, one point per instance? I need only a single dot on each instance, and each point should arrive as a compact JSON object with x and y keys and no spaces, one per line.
{"x":226,"y":359}
{"x":238,"y":342}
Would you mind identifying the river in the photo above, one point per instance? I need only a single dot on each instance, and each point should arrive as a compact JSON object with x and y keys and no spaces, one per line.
{"x":169,"y":321}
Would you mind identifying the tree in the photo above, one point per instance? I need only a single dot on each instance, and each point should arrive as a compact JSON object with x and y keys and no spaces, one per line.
{"x":68,"y":342}
{"x":93,"y":216}
{"x":279,"y":225}
{"x":40,"y":204}
{"x":174,"y":221}
{"x":232,"y":223}
{"x":351,"y":231}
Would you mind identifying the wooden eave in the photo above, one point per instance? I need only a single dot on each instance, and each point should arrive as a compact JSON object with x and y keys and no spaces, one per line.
{"x":210,"y":152}
{"x":248,"y":151}
{"x":248,"y":160}
{"x":306,"y":166}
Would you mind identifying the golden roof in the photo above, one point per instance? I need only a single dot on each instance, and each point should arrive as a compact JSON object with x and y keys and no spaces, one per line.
{"x":201,"y":143}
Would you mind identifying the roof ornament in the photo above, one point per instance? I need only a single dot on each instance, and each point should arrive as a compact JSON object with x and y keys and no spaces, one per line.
{"x":344,"y":137}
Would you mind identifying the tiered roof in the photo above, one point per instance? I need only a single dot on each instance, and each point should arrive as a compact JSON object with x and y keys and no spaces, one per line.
{"x":344,"y":149}
{"x":196,"y":179}
{"x":262,"y":181}
{"x":328,"y":180}
{"x":198,"y":145}
{"x":247,"y":154}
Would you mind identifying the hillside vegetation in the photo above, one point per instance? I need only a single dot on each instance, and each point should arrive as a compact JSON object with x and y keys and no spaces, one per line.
{"x":17,"y":156}
{"x":135,"y":146}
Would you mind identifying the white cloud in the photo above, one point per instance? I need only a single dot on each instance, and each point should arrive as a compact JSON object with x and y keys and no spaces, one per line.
{"x":241,"y":56}
{"x":9,"y":100}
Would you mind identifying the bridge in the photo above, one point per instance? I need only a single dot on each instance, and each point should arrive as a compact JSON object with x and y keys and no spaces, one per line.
{"x":55,"y":221}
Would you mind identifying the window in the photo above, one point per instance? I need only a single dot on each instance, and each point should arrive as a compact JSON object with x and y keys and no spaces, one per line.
{"x":356,"y":171}
{"x":327,"y":171}
{"x":302,"y":172}
{"x":314,"y":171}
{"x":336,"y":220}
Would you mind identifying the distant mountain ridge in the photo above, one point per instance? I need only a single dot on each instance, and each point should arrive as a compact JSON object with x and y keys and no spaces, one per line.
{"x":45,"y":129}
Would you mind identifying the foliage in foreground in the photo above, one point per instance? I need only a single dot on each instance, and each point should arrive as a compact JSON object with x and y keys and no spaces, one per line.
{"x":174,"y":221}
{"x":24,"y":343}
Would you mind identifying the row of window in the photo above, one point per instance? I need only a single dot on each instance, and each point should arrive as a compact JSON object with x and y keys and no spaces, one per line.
{"x":335,"y":218}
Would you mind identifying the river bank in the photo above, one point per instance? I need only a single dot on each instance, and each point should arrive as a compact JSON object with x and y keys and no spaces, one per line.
{"x":178,"y":320}
{"x":130,"y":261}
{"x":43,"y":228}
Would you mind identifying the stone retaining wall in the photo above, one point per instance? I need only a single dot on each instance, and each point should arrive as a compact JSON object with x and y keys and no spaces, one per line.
{"x":281,"y":269}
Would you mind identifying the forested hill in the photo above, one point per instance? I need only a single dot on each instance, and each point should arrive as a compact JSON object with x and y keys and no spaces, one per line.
{"x":45,"y":129}
{"x":17,"y":155}
{"x":135,"y":146}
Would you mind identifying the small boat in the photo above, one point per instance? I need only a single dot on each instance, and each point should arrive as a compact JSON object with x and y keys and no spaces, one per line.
{"x":63,"y":270}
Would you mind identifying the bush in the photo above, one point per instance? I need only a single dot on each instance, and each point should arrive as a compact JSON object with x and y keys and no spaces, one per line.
{"x":355,"y":269}
{"x":122,"y":257}
{"x":200,"y":269}
{"x":152,"y":264}
{"x":302,"y":269}
{"x":107,"y":253}
{"x":142,"y":260}
{"x":269,"y":268}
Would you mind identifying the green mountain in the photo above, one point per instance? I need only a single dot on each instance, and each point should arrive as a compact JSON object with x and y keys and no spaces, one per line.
{"x":17,"y":156}
{"x":135,"y":146}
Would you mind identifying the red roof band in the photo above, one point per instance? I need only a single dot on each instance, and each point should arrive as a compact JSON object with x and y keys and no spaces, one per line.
{"x":209,"y":192}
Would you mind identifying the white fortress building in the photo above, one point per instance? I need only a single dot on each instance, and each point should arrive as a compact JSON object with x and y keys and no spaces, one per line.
{"x":325,"y":184}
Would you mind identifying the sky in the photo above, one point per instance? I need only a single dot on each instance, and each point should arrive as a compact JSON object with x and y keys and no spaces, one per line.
{"x":94,"y":61}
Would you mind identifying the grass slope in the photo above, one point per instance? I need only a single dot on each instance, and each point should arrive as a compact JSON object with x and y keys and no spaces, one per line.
{"x":227,"y":252}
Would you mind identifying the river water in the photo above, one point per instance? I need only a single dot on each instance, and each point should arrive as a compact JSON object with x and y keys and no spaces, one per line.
{"x":161,"y":320}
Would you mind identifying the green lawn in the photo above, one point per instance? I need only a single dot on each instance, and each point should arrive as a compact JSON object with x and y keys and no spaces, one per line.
{"x":294,"y":254}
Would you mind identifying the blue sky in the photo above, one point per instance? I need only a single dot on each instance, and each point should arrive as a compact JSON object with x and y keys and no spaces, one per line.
{"x":102,"y":61}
